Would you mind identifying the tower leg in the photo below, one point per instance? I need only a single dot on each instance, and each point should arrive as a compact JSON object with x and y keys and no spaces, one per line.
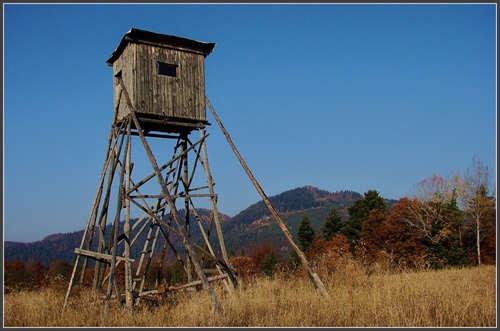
{"x":185,"y":184}
{"x":114,"y":158}
{"x":213,"y":199}
{"x":126,"y":228}
{"x":113,"y":242}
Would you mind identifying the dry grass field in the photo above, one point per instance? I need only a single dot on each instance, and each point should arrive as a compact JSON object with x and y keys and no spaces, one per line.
{"x":445,"y":298}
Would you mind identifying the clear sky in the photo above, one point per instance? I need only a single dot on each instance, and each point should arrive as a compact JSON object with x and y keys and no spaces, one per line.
{"x":342,"y":97}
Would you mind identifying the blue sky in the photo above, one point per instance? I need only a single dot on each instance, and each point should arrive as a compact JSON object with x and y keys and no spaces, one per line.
{"x":342,"y":97}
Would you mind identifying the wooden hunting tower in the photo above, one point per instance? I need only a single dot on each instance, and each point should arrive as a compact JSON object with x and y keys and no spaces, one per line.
{"x":165,"y":78}
{"x":159,"y":92}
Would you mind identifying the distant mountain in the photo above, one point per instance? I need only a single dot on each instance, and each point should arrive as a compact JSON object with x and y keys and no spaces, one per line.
{"x":53,"y":247}
{"x":301,"y":198}
{"x":255,"y":225}
{"x":252,"y":226}
{"x":61,"y":246}
{"x":7,"y":244}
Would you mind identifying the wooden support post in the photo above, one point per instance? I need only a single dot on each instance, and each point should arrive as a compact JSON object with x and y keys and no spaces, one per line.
{"x":126,"y":227}
{"x":103,"y":216}
{"x":114,"y":238}
{"x":185,"y":184}
{"x":314,"y":277}
{"x":232,"y":283}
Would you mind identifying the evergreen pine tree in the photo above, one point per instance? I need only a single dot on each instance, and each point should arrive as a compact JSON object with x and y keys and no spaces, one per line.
{"x":269,"y":264}
{"x":449,"y":250}
{"x":306,"y":233}
{"x":332,"y":225}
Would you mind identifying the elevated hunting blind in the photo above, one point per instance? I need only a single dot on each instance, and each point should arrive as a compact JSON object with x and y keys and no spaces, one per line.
{"x":159,"y":92}
{"x":165,"y":78}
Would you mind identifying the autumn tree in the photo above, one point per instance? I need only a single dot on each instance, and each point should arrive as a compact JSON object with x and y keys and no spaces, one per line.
{"x":244,"y":265}
{"x":426,"y":215}
{"x":372,"y":240}
{"x":35,"y":272}
{"x":60,"y":268}
{"x":329,"y":255}
{"x":15,"y":273}
{"x":434,"y":217}
{"x":479,"y":205}
{"x":402,"y":245}
{"x":332,"y":225}
{"x":260,"y":253}
{"x":358,"y":214}
{"x":306,"y":233}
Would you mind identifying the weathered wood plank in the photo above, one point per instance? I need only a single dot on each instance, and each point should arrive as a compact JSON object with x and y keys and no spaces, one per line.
{"x":99,"y":256}
{"x":163,"y":290}
{"x":195,"y":283}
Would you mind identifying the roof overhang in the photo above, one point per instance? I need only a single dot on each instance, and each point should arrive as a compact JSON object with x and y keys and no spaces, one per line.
{"x":161,"y":40}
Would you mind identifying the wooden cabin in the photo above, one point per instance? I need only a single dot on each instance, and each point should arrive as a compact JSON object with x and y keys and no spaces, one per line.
{"x":165,"y":79}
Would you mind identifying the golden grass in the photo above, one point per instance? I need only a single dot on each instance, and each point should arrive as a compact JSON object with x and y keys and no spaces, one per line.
{"x":445,"y":298}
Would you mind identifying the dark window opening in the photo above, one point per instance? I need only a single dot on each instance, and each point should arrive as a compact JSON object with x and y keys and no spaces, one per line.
{"x":166,"y":69}
{"x":118,"y":77}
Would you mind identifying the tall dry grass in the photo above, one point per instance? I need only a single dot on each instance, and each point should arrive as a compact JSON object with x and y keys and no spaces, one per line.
{"x":446,"y":298}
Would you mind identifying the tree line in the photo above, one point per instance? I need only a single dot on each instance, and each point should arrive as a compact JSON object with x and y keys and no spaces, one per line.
{"x":447,"y":222}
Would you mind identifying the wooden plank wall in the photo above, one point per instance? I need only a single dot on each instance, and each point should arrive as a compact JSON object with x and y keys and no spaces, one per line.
{"x":182,"y":96}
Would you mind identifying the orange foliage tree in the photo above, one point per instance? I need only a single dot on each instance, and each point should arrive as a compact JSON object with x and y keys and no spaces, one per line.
{"x":328,"y":255}
{"x":402,"y":244}
{"x":372,"y":239}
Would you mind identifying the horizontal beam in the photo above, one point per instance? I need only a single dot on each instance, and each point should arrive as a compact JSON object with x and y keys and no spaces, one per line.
{"x":174,"y":196}
{"x":181,"y":287}
{"x":169,"y":289}
{"x":99,"y":256}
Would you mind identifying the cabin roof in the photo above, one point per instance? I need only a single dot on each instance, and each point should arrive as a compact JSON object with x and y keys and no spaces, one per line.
{"x":162,"y":40}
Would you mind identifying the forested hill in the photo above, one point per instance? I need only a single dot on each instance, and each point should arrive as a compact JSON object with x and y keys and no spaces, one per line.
{"x":245,"y":229}
{"x":255,"y":224}
{"x":294,"y":200}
